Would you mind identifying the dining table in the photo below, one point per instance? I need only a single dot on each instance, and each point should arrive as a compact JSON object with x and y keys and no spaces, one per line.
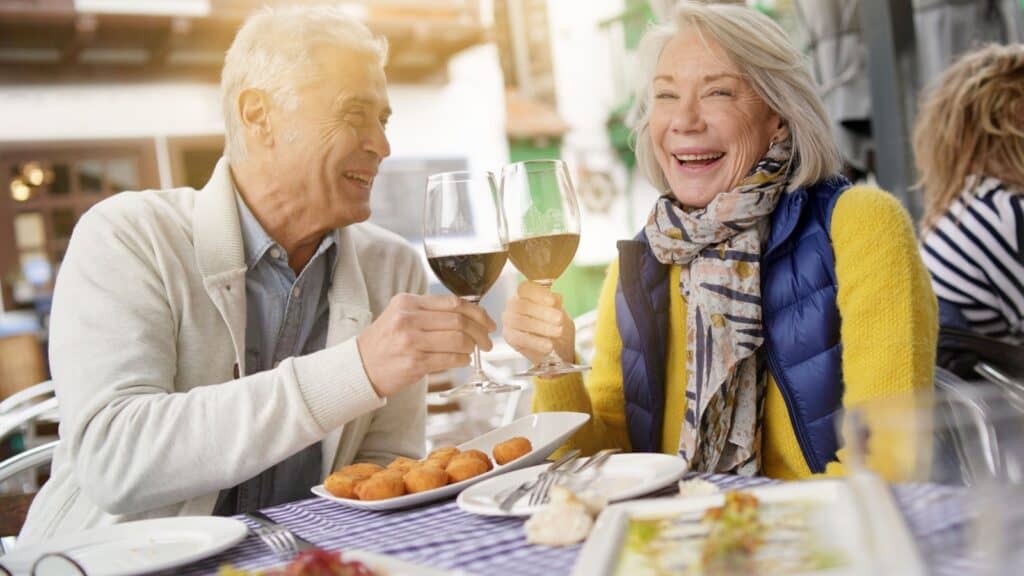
{"x":443,"y":537}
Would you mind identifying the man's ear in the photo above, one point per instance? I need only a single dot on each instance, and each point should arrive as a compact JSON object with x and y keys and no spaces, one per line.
{"x":254,"y":110}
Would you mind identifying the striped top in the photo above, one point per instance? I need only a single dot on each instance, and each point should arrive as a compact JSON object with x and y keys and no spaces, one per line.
{"x":975,"y":254}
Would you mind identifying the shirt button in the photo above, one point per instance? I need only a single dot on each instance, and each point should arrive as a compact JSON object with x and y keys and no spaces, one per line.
{"x":275,"y":253}
{"x":297,"y":291}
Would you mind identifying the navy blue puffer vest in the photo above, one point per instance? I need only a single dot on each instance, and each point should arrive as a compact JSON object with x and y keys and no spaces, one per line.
{"x":801,"y":320}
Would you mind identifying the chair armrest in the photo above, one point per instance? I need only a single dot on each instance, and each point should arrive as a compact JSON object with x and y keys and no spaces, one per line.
{"x":22,"y":396}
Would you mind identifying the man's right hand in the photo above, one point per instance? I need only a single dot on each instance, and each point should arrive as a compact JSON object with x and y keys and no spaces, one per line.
{"x":418,"y":335}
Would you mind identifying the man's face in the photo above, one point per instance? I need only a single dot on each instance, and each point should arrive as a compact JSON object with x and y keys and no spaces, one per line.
{"x":328,"y":148}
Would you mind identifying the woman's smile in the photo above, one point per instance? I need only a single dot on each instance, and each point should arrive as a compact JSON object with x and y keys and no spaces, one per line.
{"x":697,"y":160}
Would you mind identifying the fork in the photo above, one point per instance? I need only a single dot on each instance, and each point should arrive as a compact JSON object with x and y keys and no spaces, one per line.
{"x":542,"y":488}
{"x":281,"y":542}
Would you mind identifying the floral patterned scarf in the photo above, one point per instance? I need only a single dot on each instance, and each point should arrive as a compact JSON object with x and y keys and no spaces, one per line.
{"x":719,"y":247}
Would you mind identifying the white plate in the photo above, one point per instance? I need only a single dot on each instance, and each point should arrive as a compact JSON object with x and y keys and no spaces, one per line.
{"x":622,"y":477}
{"x":857,"y":519}
{"x":545,"y":430}
{"x":136,"y":547}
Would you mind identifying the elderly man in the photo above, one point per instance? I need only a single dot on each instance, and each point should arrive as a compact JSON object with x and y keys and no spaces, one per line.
{"x":222,"y":350}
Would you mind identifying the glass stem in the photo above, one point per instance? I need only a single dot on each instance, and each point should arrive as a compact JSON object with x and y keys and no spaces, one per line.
{"x":552,"y":359}
{"x":479,"y":378}
{"x":477,"y":366}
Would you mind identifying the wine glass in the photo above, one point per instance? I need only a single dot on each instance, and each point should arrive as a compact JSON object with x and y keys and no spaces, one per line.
{"x":544,"y":231}
{"x":465,"y":238}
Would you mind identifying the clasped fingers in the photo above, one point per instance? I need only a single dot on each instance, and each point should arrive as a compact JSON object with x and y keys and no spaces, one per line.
{"x":535,"y":323}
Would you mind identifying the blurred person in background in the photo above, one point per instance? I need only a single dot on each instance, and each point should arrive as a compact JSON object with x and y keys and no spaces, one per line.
{"x":765,"y":293}
{"x":222,"y":350}
{"x":969,"y":148}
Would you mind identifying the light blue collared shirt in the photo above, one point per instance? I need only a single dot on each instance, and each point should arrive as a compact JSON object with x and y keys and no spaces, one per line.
{"x":286,"y":315}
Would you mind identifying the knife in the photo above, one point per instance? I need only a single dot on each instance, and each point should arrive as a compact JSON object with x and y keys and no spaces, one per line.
{"x":264,"y":520}
{"x":525,"y":487}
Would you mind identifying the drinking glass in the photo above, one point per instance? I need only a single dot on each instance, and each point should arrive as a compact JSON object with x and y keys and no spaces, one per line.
{"x":465,"y":238}
{"x":544,"y":231}
{"x":956,"y":455}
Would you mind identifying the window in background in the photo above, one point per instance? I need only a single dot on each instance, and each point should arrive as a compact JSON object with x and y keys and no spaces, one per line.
{"x":90,"y":176}
{"x":397,"y":196}
{"x":123,"y":174}
{"x":47,"y":190}
{"x":193,"y":159}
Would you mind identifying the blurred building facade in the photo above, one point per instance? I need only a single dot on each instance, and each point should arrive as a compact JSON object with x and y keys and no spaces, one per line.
{"x":100,"y":96}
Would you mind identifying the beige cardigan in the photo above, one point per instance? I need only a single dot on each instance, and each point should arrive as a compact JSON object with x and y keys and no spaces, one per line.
{"x":147,"y":326}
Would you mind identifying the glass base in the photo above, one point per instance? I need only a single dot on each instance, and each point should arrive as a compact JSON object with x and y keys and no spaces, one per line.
{"x":550,"y":369}
{"x":485,"y":386}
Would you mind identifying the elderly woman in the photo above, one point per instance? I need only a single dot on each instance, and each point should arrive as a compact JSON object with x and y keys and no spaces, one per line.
{"x":765,"y":293}
{"x":969,"y":143}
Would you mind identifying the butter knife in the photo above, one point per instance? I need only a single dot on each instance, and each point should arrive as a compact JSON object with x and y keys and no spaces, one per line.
{"x":264,"y":520}
{"x":524,"y":488}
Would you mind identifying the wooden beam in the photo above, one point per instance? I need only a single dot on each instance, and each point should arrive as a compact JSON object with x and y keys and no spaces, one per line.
{"x":33,"y":73}
{"x":37,"y":10}
{"x":174,"y":35}
{"x":83,"y":34}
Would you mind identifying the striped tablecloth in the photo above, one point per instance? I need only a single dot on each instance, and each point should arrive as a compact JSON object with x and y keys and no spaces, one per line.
{"x":442,"y":536}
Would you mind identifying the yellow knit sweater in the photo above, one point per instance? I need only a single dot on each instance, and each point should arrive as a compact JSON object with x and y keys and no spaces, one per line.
{"x":889,"y":331}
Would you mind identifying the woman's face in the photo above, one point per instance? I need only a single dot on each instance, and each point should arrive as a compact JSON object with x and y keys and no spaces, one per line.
{"x":707,"y":126}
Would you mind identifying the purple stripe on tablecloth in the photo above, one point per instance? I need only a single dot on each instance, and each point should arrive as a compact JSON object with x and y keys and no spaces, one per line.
{"x":939,"y":518}
{"x":442,"y":536}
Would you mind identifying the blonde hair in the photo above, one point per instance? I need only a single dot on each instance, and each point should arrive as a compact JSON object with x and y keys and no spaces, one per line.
{"x":273,"y":52}
{"x":971,"y":122}
{"x":768,"y":60}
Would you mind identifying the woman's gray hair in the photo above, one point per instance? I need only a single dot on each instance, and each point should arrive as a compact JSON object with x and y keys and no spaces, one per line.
{"x":273,"y":52}
{"x":772,"y":65}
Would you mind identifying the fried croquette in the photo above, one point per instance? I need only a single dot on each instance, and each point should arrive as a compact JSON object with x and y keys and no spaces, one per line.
{"x":443,"y":455}
{"x":433,"y":463}
{"x":385,"y":484}
{"x":479,"y":456}
{"x":422,"y":478}
{"x":509,"y":450}
{"x":402,"y":464}
{"x":463,"y":467}
{"x":342,"y":485}
{"x":360,"y":470}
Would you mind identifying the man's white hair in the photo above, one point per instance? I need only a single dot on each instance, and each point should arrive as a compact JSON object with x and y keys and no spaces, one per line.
{"x":768,"y":60}
{"x":273,"y":52}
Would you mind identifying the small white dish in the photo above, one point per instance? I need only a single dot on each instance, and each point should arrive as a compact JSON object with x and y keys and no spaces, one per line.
{"x":136,"y":547}
{"x":622,"y":477}
{"x":545,"y":430}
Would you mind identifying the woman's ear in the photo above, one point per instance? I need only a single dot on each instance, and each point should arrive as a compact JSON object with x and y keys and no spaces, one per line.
{"x":782,"y":132}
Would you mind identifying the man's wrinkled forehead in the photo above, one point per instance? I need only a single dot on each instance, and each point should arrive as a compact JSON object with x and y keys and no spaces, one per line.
{"x":346,"y":72}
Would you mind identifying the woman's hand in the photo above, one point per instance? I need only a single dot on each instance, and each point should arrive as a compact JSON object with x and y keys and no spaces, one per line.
{"x":534,"y":323}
